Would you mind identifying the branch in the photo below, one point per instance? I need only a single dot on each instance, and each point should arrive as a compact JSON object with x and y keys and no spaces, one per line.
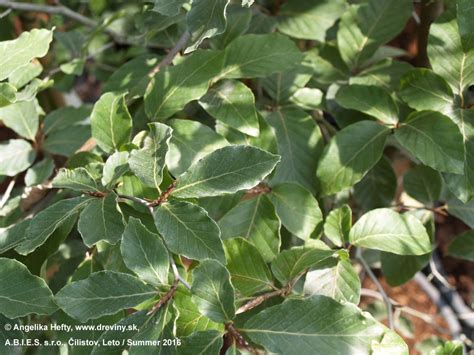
{"x":163,"y":197}
{"x":386,"y":299}
{"x":166,"y":298}
{"x":177,"y":275}
{"x":241,"y":342}
{"x":172,"y":53}
{"x":427,"y":318}
{"x":54,"y":10}
{"x":262,"y":298}
{"x":7,"y":193}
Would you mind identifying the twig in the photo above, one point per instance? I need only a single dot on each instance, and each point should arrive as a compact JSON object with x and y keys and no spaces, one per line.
{"x":54,"y":10}
{"x":436,"y":274}
{"x":384,"y":295}
{"x":5,"y":13}
{"x":241,"y":342}
{"x":166,"y":297}
{"x":164,"y":196}
{"x":168,"y":59}
{"x":405,"y":309}
{"x":7,"y":193}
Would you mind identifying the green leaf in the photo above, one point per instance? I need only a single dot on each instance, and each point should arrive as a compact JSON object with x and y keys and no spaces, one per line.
{"x":132,"y":76}
{"x":23,"y":293}
{"x":115,"y":166}
{"x":386,"y":73}
{"x":308,"y":98}
{"x":78,"y":179}
{"x":447,"y":56}
{"x":365,"y":27}
{"x":297,"y":209}
{"x":248,"y":271}
{"x":144,"y":253}
{"x":9,"y":337}
{"x":300,"y":143}
{"x":238,"y":20}
{"x":19,"y":52}
{"x":340,"y":282}
{"x":350,"y":155}
{"x":293,"y":262}
{"x":111,"y":122}
{"x":465,"y":13}
{"x":168,"y":7}
{"x":100,"y":220}
{"x":253,"y":56}
{"x":13,"y":235}
{"x":377,"y":188}
{"x":202,"y":343}
{"x":190,"y":320}
{"x":317,"y":320}
{"x":398,"y":269}
{"x":338,"y":225}
{"x":424,"y":184}
{"x":23,"y":75}
{"x":188,"y":230}
{"x":173,"y":87}
{"x":213,"y":294}
{"x":16,"y":155}
{"x":190,"y":142}
{"x":206,"y":19}
{"x":386,"y":230}
{"x":463,"y":211}
{"x":66,"y":142}
{"x":7,"y":94}
{"x":46,"y":222}
{"x":391,"y":343}
{"x":463,"y":185}
{"x":148,"y":162}
{"x":102,"y":293}
{"x":64,"y":117}
{"x":309,"y":19}
{"x":255,"y":220}
{"x":371,"y":100}
{"x":39,"y":172}
{"x":233,"y":103}
{"x":434,"y":139}
{"x":463,"y":246}
{"x":422,"y":89}
{"x":224,"y":171}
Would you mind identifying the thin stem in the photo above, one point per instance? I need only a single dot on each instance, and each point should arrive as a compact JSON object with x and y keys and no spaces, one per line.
{"x":262,"y":298}
{"x":386,"y":299}
{"x":7,"y":193}
{"x":168,"y":59}
{"x":177,"y":275}
{"x":241,"y":342}
{"x":164,"y":196}
{"x":166,"y":297}
{"x":435,"y":273}
{"x":134,"y":199}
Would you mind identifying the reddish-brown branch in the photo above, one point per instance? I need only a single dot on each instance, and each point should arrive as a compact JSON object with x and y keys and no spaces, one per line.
{"x":262,"y":298}
{"x":166,"y":297}
{"x":164,"y":196}
{"x":238,"y":338}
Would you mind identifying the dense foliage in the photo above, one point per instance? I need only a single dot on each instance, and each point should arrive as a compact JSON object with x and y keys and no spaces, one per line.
{"x":233,"y":176}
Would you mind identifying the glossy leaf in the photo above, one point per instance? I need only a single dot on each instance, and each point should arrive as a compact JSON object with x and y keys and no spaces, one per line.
{"x":102,"y":293}
{"x":23,"y":293}
{"x":247,"y":268}
{"x":350,"y":155}
{"x":434,"y":139}
{"x":206,"y":19}
{"x":21,"y":51}
{"x":338,"y":225}
{"x":78,"y":179}
{"x":148,"y":162}
{"x":423,"y":183}
{"x":364,"y":27}
{"x":371,"y":100}
{"x":340,"y":282}
{"x":299,"y":142}
{"x":115,"y":166}
{"x":386,"y":230}
{"x":100,"y":220}
{"x":39,"y":172}
{"x":168,"y":7}
{"x":7,"y":94}
{"x":232,"y":103}
{"x":111,"y":122}
{"x":259,"y":55}
{"x":213,"y":294}
{"x":297,"y":209}
{"x":189,"y":231}
{"x":255,"y":220}
{"x":224,"y":171}
{"x":280,"y":328}
{"x":398,"y":269}
{"x":16,"y":155}
{"x":21,"y":117}
{"x":173,"y":87}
